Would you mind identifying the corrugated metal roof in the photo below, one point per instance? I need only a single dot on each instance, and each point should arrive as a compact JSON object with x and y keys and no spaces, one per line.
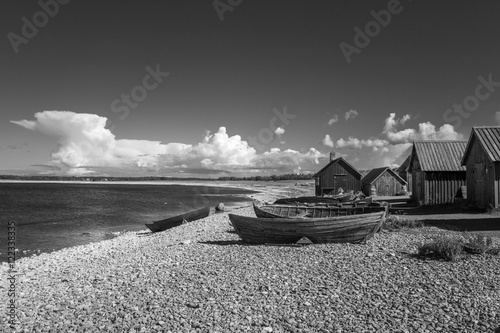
{"x":489,"y":137}
{"x":440,"y":155}
{"x":375,"y":173}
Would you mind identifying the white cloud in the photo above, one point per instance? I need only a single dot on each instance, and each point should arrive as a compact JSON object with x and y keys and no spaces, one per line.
{"x":357,"y":143}
{"x":333,"y":120}
{"x":426,"y":131}
{"x":397,"y":142}
{"x":351,"y":114}
{"x":85,"y":145}
{"x":405,"y":118}
{"x":497,"y":117}
{"x":279,"y":131}
{"x":327,"y":141}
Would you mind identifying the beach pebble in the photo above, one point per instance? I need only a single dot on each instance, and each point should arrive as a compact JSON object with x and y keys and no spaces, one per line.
{"x":154,"y":283}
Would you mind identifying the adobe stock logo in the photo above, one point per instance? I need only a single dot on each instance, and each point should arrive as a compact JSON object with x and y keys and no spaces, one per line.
{"x":471,"y":103}
{"x":29,"y":30}
{"x":372,"y":29}
{"x":221,"y":7}
{"x":267,"y":135}
{"x":138,"y":93}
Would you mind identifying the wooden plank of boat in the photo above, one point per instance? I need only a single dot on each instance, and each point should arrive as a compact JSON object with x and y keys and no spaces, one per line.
{"x":178,"y":220}
{"x":290,"y":211}
{"x":308,"y":200}
{"x":152,"y":227}
{"x":342,"y":229}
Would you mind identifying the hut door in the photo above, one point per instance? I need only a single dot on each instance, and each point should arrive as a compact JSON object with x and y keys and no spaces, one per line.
{"x":479,"y":185}
{"x":340,"y":181}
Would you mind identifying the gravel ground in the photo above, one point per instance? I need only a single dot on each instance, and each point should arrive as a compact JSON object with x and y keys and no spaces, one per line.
{"x":200,"y":277}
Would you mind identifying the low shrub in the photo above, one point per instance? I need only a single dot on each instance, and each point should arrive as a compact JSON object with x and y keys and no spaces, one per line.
{"x":442,"y":248}
{"x":477,"y":244}
{"x":451,"y":249}
{"x":395,"y":222}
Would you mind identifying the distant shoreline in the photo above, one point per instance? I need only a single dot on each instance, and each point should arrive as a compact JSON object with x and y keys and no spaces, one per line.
{"x":119,"y":182}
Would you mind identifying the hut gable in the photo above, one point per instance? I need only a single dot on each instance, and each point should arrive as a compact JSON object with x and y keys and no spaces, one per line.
{"x":384,"y":180}
{"x":337,"y":174}
{"x":488,"y":138}
{"x":346,"y":165}
{"x":482,"y":161}
{"x":404,"y":173}
{"x":404,"y":167}
{"x":375,"y":174}
{"x":437,"y":173}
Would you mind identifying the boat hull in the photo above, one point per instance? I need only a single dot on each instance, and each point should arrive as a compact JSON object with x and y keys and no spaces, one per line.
{"x":152,"y":227}
{"x":343,"y":229}
{"x":175,"y":221}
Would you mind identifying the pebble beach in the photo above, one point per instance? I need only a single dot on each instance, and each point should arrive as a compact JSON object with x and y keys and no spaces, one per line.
{"x":200,"y":277}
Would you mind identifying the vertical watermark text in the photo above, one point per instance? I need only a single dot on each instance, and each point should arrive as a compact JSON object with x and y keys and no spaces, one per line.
{"x":11,"y":274}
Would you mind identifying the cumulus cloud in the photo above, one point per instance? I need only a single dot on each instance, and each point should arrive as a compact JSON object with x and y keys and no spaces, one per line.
{"x":275,"y":158}
{"x":327,"y":141}
{"x":398,"y":140}
{"x":85,"y":145}
{"x":333,"y":120}
{"x":426,"y":131}
{"x":357,"y":143}
{"x":279,"y":131}
{"x":351,"y":114}
{"x":497,"y":117}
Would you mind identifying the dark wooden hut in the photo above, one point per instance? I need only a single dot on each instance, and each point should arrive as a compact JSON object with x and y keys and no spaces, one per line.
{"x":403,"y":172}
{"x":436,"y":171}
{"x":384,"y":180}
{"x":482,"y":161}
{"x":337,"y":174}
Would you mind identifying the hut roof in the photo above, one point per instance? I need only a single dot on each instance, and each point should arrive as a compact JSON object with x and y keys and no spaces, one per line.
{"x":445,"y":155}
{"x":373,"y":175}
{"x":404,"y":167}
{"x":345,"y":164}
{"x":489,"y":139}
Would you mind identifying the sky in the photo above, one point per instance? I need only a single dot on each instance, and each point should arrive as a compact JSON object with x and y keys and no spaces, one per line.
{"x":235,"y":87}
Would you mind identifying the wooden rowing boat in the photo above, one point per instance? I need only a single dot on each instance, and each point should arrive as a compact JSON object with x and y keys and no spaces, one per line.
{"x":341,"y":229}
{"x":179,"y":219}
{"x":290,"y":211}
{"x":152,"y":226}
{"x":344,"y":200}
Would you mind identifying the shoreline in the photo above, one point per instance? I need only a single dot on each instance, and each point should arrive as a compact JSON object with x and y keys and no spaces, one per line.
{"x":256,"y":195}
{"x":200,"y":277}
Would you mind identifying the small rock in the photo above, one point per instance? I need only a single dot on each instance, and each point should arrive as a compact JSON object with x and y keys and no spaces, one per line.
{"x":267,"y":329}
{"x":220,"y":207}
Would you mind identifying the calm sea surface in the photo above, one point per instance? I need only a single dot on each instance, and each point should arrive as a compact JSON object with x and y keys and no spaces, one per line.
{"x":51,"y":216}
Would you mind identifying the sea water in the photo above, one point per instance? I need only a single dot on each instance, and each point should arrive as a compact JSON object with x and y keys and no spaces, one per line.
{"x":52,"y":216}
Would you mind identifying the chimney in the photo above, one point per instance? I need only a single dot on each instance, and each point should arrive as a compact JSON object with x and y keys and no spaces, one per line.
{"x":332,"y":156}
